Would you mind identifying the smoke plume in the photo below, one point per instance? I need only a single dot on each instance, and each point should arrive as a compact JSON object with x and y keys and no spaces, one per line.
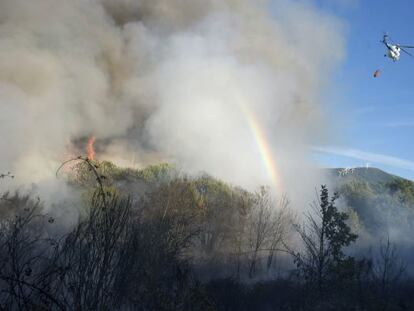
{"x":165,"y":80}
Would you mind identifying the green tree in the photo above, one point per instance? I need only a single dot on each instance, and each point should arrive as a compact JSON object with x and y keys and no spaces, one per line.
{"x":324,"y":234}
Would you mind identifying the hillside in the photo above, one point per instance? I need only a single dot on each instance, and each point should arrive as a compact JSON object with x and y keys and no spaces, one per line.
{"x":370,"y":175}
{"x":358,"y":186}
{"x":379,"y":202}
{"x":368,"y":183}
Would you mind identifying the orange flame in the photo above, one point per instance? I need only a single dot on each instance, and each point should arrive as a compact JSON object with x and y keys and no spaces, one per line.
{"x":90,"y":149}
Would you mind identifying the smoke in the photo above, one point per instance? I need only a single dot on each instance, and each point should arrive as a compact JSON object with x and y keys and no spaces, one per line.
{"x":165,"y":80}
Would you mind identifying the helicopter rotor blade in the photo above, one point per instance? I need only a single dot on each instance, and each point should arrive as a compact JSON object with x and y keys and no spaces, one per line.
{"x":406,"y":46}
{"x":406,"y":52}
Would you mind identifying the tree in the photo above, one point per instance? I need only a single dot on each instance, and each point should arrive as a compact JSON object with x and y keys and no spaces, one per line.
{"x":266,"y":228}
{"x":325,"y":234}
{"x":26,"y":256}
{"x":387,"y":271}
{"x":403,"y":189}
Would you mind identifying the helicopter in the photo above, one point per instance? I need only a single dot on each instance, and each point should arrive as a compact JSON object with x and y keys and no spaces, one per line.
{"x":394,"y":50}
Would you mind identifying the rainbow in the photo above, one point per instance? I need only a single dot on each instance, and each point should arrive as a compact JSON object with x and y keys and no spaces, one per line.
{"x":263,"y":146}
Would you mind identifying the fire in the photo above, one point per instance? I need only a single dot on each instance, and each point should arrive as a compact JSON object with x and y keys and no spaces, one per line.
{"x":90,"y":149}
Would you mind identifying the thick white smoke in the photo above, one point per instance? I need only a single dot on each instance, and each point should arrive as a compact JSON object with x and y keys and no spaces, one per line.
{"x":165,"y":80}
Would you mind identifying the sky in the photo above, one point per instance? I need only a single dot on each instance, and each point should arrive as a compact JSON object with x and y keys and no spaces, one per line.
{"x":376,"y":115}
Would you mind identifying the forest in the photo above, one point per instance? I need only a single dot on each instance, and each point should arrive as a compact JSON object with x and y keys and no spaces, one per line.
{"x":158,"y":239}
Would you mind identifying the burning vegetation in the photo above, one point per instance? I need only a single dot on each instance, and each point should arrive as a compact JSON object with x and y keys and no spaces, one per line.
{"x":90,"y":148}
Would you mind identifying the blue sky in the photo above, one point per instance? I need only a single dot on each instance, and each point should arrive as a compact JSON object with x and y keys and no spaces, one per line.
{"x":378,"y":113}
